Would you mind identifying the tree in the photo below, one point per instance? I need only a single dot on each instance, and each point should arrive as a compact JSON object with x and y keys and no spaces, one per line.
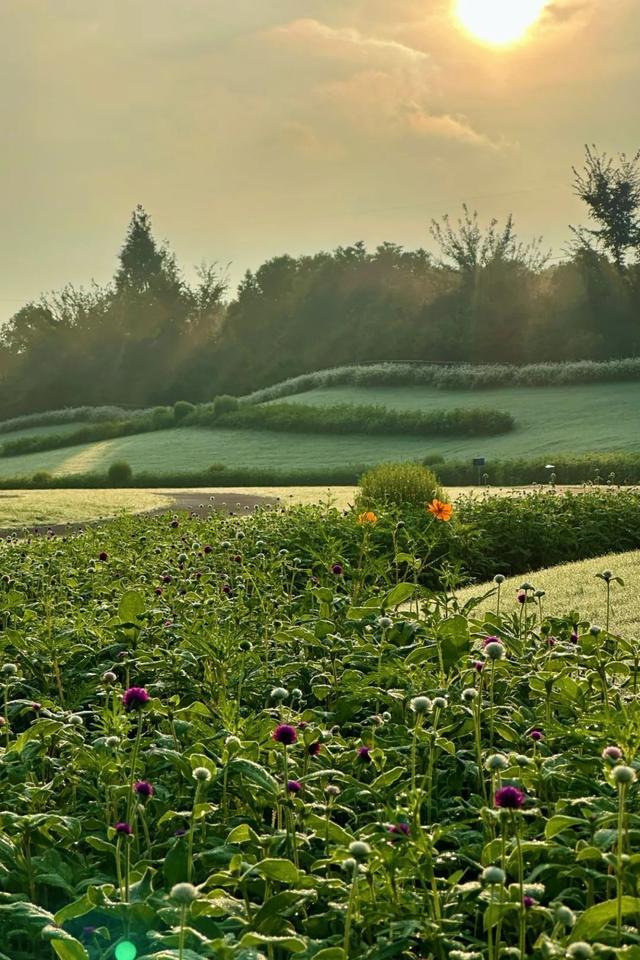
{"x":470,"y":247}
{"x":611,"y":190}
{"x":145,"y":267}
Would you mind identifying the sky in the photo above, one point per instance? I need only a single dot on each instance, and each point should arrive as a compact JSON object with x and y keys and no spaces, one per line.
{"x":251,"y":128}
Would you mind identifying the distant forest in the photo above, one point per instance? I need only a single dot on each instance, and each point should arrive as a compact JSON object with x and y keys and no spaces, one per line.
{"x":480,"y":295}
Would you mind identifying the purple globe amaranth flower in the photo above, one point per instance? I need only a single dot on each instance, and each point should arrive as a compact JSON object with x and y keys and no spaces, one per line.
{"x":478,"y":665}
{"x":143,"y":788}
{"x":208,"y":549}
{"x":509,"y":798}
{"x":528,"y":902}
{"x":488,"y":640}
{"x":135,"y":698}
{"x":574,"y":637}
{"x":364,"y":754}
{"x":314,"y":748}
{"x":612,"y":753}
{"x":399,"y":829}
{"x":337,"y":569}
{"x":103,"y":556}
{"x":123,"y":828}
{"x":294,"y":786}
{"x":522,"y":597}
{"x":284,"y":733}
{"x":536,"y":735}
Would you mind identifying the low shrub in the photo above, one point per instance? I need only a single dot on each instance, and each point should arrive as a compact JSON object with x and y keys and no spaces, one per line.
{"x":119,"y":473}
{"x":348,"y":418}
{"x":182,"y":409}
{"x":41,"y":478}
{"x":398,"y":483}
{"x":224,"y":404}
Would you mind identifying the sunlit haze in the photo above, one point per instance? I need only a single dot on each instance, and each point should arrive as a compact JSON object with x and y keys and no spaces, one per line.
{"x":499,"y":21}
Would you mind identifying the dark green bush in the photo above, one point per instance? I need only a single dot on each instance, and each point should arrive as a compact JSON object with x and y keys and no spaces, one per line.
{"x":182,"y":409}
{"x":163,"y":417}
{"x":41,"y":478}
{"x":398,"y":483}
{"x":119,"y":473}
{"x":224,"y":404}
{"x":349,"y":418}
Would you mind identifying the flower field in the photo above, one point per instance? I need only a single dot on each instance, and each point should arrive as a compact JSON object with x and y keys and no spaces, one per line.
{"x":274,"y":735}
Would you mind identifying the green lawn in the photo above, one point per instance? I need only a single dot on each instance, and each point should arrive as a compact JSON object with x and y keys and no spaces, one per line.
{"x":602,"y":416}
{"x":574,"y":586}
{"x":55,"y":428}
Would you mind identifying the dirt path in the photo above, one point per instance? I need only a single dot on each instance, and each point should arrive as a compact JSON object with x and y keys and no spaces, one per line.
{"x":199,"y":504}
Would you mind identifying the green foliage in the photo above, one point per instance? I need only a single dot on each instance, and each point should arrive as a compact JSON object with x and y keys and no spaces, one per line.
{"x":399,"y":484}
{"x":182,"y":409}
{"x":461,"y":376}
{"x":224,"y":404}
{"x":393,"y":860}
{"x":119,"y":474}
{"x":348,"y":418}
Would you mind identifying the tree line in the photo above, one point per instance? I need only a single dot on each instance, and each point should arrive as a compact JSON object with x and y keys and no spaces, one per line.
{"x":480,"y":295}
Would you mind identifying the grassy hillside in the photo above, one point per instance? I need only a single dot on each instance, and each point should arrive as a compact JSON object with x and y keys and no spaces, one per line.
{"x":574,"y":586}
{"x":601,"y":416}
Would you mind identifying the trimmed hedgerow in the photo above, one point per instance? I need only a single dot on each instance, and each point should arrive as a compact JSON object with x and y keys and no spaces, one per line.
{"x":454,"y":376}
{"x":350,"y":418}
{"x":398,"y":483}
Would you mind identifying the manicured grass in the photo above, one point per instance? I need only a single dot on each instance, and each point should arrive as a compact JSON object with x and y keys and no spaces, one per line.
{"x":38,"y":507}
{"x":57,"y":429}
{"x":574,"y":586}
{"x":601,"y":416}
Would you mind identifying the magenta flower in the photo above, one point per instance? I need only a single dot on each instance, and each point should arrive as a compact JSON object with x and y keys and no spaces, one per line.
{"x":536,"y":735}
{"x":528,"y":902}
{"x":123,"y":829}
{"x":509,"y":798}
{"x":103,"y":556}
{"x":574,"y":637}
{"x":208,"y":549}
{"x":285,"y":734}
{"x":478,"y":665}
{"x":337,"y":569}
{"x":294,"y":786}
{"x":522,"y":598}
{"x":135,"y":698}
{"x":364,"y":754}
{"x":143,"y":788}
{"x":488,"y":640}
{"x":399,"y":830}
{"x":314,"y":748}
{"x":612,"y":753}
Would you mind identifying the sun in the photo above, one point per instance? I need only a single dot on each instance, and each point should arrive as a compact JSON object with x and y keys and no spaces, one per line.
{"x":499,"y":22}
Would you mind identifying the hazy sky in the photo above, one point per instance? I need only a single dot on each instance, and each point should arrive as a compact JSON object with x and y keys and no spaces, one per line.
{"x":249,"y":128}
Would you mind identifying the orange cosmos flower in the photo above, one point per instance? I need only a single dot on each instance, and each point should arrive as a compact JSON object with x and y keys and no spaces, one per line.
{"x":368,"y":517}
{"x":440,"y":510}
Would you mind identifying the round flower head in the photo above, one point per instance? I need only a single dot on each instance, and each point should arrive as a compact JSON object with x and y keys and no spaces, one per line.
{"x":499,"y":578}
{"x":10,"y":670}
{"x":494,"y":651}
{"x":469,"y":694}
{"x":332,"y":790}
{"x":399,"y":830}
{"x":528,"y":902}
{"x":510,"y":798}
{"x":579,"y":951}
{"x":368,"y":517}
{"x":294,"y":786}
{"x":527,"y":586}
{"x":103,"y":556}
{"x":337,"y":569}
{"x":493,"y":875}
{"x":359,"y":850}
{"x":314,"y":748}
{"x":201,"y":774}
{"x":143,"y":788}
{"x":420,"y":704}
{"x":565,"y":916}
{"x":497,"y":761}
{"x":285,"y":734}
{"x":478,"y":665}
{"x":439,"y":703}
{"x":135,"y":698}
{"x":488,"y":640}
{"x":536,"y":735}
{"x":109,"y":677}
{"x":279,"y":694}
{"x":612,"y":753}
{"x":574,"y":636}
{"x":350,"y":865}
{"x":123,"y":829}
{"x":623,"y":775}
{"x":183,"y":893}
{"x":364,"y":754}
{"x":522,"y":597}
{"x":385,"y":622}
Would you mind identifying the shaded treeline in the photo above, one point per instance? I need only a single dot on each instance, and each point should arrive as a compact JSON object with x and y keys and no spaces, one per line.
{"x":150,"y":338}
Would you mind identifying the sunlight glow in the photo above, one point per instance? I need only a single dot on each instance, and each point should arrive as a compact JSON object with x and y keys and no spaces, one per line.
{"x":499,"y":22}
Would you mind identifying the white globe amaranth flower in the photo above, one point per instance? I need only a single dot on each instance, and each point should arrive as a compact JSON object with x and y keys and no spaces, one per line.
{"x":201,"y":774}
{"x":494,"y":651}
{"x":493,"y":875}
{"x":565,"y":916}
{"x":359,"y":850}
{"x":579,"y":951}
{"x":623,"y":775}
{"x":420,"y":704}
{"x":497,"y":761}
{"x":183,"y":893}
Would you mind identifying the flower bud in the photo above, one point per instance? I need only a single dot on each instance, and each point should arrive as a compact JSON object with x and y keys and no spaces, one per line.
{"x":497,"y":761}
{"x":420,"y":705}
{"x":359,"y":850}
{"x":623,"y":775}
{"x":183,"y":893}
{"x":493,"y":875}
{"x":201,"y":774}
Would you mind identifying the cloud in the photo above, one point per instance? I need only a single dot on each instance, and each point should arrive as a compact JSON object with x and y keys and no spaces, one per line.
{"x":563,"y":11}
{"x":348,"y":41}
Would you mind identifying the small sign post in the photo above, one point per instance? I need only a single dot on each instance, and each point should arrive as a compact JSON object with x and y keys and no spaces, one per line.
{"x":479,"y":462}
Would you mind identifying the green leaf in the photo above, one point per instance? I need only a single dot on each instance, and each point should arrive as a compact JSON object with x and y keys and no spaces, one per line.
{"x":330,"y":953}
{"x":319,"y":825}
{"x":400,"y":593}
{"x":243,"y":833}
{"x":131,"y":606}
{"x":255,"y":773}
{"x":292,"y":944}
{"x":559,"y":823}
{"x":76,"y":909}
{"x":282,"y":870}
{"x":175,"y":862}
{"x":388,"y":777}
{"x":70,"y":949}
{"x":595,"y":918}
